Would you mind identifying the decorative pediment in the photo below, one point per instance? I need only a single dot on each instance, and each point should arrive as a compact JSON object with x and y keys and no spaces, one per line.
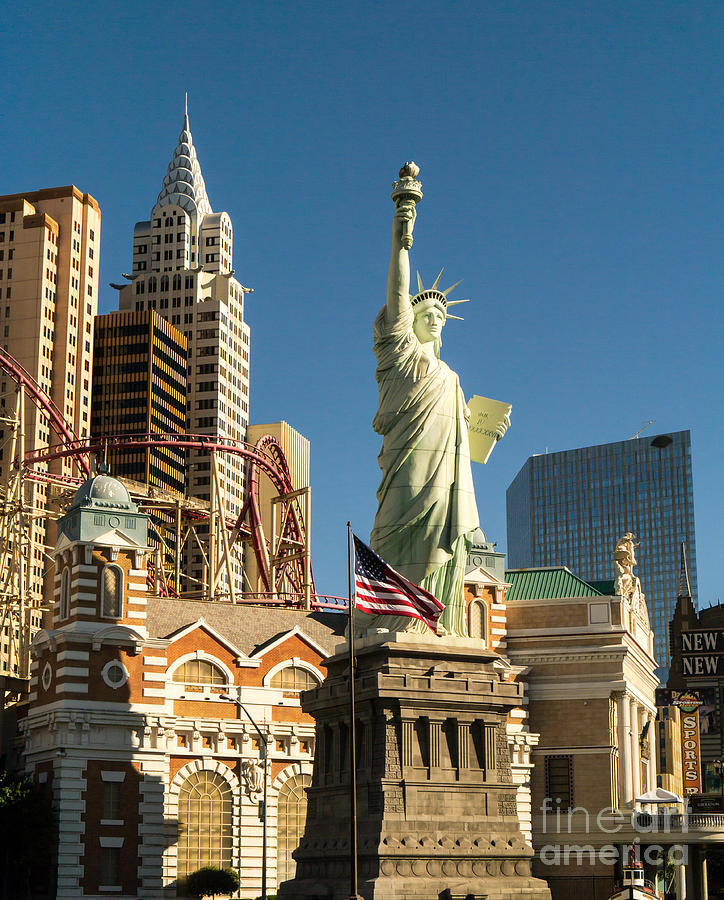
{"x":118,"y":634}
{"x":240,"y":657}
{"x":287,"y":635}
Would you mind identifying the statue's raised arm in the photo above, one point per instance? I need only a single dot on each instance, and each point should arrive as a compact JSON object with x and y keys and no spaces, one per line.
{"x":406,"y":193}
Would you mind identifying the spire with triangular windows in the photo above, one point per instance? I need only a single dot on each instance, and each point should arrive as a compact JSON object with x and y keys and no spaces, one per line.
{"x":184,"y":184}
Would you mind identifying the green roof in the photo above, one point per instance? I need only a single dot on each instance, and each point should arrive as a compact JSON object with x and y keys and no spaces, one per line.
{"x":546,"y":584}
{"x":605,"y":587}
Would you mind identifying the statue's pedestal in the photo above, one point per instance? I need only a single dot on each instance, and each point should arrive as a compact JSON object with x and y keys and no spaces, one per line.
{"x":436,"y":804}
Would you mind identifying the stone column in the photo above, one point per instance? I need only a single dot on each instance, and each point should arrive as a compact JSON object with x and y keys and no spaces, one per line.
{"x":624,"y":748}
{"x":463,"y":746}
{"x":651,"y":719}
{"x":408,"y":736}
{"x":703,"y":875}
{"x":435,"y":726}
{"x":635,"y":755}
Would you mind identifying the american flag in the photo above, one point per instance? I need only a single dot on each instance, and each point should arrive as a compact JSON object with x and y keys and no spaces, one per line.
{"x":380,"y":590}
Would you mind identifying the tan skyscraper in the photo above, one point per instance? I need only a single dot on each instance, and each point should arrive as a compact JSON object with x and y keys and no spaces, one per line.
{"x":182,"y":267}
{"x":296,"y":452}
{"x":49,"y":256}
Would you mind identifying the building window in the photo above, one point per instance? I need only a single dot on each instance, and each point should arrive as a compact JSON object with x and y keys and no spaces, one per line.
{"x":559,"y":781}
{"x":112,"y":592}
{"x":291,"y":815}
{"x":65,"y":594}
{"x":110,"y":866}
{"x":112,"y":799}
{"x":205,"y":810}
{"x":293,"y":679}
{"x":199,"y":671}
{"x":478,"y":620}
{"x":47,"y":676}
{"x":114,"y":674}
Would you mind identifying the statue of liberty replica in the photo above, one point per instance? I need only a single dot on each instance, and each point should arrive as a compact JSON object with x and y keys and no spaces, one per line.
{"x":412,"y":795}
{"x":426,"y":498}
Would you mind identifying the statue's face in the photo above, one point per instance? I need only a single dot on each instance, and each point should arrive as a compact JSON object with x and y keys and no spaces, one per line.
{"x":428,"y":324}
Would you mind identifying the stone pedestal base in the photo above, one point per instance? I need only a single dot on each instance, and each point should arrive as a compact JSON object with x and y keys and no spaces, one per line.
{"x":436,"y":802}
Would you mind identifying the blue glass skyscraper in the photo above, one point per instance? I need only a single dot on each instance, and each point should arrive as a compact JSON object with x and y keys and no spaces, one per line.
{"x":569,"y":508}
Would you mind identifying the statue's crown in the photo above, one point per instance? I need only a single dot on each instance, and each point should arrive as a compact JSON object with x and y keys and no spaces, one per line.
{"x":433,"y":296}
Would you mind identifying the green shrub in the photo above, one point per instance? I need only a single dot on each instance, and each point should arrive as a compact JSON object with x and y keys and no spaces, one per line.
{"x":210,"y":881}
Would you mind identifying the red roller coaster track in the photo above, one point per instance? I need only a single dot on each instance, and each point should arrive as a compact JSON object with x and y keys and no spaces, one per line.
{"x":266,"y":457}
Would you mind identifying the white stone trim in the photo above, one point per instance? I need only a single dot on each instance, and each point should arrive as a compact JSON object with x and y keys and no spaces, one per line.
{"x":79,"y":655}
{"x":242,"y":658}
{"x":114,"y":685}
{"x":113,"y":776}
{"x":84,"y":611}
{"x":154,"y":692}
{"x":155,"y":661}
{"x":301,"y":767}
{"x":69,"y":687}
{"x":78,"y":671}
{"x":199,"y":654}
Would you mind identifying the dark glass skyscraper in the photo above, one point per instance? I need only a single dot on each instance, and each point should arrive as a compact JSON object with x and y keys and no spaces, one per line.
{"x":569,"y":508}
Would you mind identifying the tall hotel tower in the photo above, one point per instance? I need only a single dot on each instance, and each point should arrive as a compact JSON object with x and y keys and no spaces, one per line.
{"x":49,"y":256}
{"x":182,"y":267}
{"x":570,"y":508}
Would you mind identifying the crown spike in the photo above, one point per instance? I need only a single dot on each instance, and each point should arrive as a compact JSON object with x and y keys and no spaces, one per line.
{"x":420,"y":288}
{"x":458,"y":318}
{"x":437,"y":280}
{"x":452,"y":287}
{"x":455,"y":302}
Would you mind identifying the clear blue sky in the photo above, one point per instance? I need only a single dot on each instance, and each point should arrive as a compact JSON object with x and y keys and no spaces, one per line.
{"x":571,"y":157}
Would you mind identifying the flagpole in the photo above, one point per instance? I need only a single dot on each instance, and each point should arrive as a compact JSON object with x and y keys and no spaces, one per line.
{"x":352,"y":732}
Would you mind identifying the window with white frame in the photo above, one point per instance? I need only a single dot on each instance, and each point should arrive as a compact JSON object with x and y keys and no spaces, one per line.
{"x":205,"y":812}
{"x":112,"y":592}
{"x":65,"y":593}
{"x":478,"y":619}
{"x":200,"y":671}
{"x":291,"y":816}
{"x":292,"y":679}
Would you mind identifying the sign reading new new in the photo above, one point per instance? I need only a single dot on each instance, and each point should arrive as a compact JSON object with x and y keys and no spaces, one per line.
{"x":702,"y":652}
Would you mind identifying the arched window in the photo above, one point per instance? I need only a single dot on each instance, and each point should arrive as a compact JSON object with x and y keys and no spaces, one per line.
{"x":293,"y":679}
{"x":291,"y":816}
{"x":152,"y":284}
{"x":199,"y":671}
{"x":478,"y":620}
{"x":164,"y":282}
{"x":177,"y":282}
{"x":65,"y":593}
{"x":205,"y":811}
{"x":112,"y":592}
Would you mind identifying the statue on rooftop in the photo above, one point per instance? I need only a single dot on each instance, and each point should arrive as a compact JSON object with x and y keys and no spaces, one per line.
{"x":627,"y":584}
{"x":426,"y":498}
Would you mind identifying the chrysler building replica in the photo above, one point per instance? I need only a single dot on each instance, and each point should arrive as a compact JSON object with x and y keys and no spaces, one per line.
{"x":182,"y":267}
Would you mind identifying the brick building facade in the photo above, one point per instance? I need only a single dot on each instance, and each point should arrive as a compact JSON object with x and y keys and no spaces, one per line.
{"x":154,"y":774}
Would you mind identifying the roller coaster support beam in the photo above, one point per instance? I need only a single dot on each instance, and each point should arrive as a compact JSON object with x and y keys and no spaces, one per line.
{"x":217,"y":491}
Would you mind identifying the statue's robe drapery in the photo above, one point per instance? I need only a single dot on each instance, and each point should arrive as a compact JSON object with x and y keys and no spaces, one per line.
{"x":426,"y":496}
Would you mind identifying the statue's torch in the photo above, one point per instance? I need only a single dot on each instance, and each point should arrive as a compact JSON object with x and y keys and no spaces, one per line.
{"x":407,"y":190}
